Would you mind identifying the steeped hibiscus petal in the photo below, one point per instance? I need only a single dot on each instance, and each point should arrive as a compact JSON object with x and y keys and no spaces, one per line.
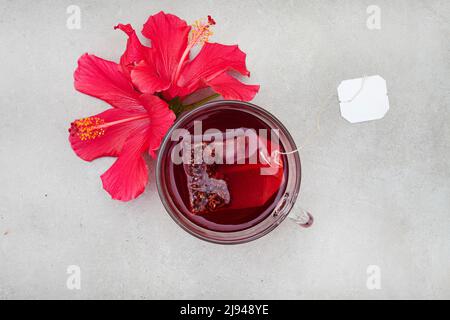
{"x":212,"y":60}
{"x":161,"y":119}
{"x":135,"y":51}
{"x":128,"y":176}
{"x":111,"y":142}
{"x":169,"y":37}
{"x":232,"y":89}
{"x":146,"y":78}
{"x":102,"y":79}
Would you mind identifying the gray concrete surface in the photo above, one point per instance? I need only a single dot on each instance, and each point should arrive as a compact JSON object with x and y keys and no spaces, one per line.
{"x":380,"y":191}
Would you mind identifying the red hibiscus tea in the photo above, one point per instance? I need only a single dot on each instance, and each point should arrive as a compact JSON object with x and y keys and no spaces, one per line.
{"x":229,"y":192}
{"x":223,"y":170}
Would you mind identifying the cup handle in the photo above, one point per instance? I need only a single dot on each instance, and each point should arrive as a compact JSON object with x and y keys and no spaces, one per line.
{"x":301,"y":217}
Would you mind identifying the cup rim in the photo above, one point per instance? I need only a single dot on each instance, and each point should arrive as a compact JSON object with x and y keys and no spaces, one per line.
{"x":159,"y":171}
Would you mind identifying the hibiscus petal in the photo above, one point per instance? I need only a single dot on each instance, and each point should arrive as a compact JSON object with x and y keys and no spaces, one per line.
{"x":135,"y":51}
{"x":169,"y":37}
{"x":161,"y":119}
{"x":146,"y":78}
{"x":212,"y":60}
{"x":232,"y":89}
{"x":110,"y":144}
{"x":128,"y":176}
{"x":102,"y":79}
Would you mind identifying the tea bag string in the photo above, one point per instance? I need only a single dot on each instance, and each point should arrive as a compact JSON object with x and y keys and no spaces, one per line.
{"x":276,"y":154}
{"x":332,"y":99}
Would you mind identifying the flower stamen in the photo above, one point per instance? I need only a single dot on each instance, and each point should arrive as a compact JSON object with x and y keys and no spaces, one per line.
{"x":94,"y":127}
{"x":200,"y":34}
{"x":87,"y":128}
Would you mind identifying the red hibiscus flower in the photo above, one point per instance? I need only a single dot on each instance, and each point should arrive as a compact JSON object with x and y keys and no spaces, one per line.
{"x":166,"y":66}
{"x":140,"y":89}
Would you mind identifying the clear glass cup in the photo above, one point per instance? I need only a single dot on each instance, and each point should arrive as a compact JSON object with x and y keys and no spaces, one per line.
{"x":286,"y":206}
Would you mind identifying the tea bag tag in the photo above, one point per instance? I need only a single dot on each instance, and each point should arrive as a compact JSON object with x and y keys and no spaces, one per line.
{"x":363,"y":99}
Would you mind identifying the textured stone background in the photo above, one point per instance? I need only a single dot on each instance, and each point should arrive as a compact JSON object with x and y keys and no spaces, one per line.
{"x":380,"y":191}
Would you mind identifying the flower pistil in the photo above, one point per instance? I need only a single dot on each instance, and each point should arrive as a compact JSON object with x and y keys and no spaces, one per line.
{"x":200,"y":34}
{"x":93,"y":127}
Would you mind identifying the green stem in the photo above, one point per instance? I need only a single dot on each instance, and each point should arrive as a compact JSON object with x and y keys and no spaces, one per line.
{"x":194,"y":105}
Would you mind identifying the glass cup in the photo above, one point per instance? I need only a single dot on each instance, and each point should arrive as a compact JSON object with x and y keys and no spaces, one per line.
{"x":286,"y":204}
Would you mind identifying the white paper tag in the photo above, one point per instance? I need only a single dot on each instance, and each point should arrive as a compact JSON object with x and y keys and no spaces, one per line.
{"x":363,"y":99}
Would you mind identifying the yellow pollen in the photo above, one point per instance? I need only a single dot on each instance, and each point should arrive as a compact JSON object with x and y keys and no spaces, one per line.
{"x":200,"y":32}
{"x":88,"y":128}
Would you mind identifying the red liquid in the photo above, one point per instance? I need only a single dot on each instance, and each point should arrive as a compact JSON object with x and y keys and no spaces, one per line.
{"x":242,"y":196}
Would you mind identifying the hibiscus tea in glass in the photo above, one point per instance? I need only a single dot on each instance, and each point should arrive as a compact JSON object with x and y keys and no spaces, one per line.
{"x":228,"y":172}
